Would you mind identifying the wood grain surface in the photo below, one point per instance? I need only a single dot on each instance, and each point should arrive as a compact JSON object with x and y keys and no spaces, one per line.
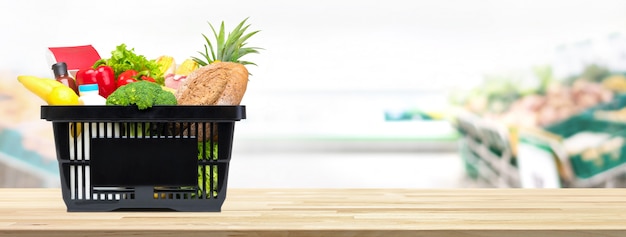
{"x":338,"y":212}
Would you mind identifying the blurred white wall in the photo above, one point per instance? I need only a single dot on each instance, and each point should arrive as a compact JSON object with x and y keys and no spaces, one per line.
{"x":318,"y":44}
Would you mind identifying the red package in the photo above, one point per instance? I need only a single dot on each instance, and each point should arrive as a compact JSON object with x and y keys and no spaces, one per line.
{"x":76,"y":57}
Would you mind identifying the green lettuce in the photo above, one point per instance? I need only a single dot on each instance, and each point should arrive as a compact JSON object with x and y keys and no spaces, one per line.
{"x":123,"y":59}
{"x":208,"y":170}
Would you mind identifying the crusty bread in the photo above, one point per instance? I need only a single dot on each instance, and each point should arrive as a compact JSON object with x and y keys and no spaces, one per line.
{"x":221,"y":83}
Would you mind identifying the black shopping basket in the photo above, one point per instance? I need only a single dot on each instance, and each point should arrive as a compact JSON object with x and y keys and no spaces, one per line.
{"x":120,"y":158}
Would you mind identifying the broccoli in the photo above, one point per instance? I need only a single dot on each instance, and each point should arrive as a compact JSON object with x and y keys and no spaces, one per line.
{"x":141,"y":93}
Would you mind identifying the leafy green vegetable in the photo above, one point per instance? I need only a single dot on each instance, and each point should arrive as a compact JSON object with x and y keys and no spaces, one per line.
{"x":143,"y":94}
{"x":123,"y":59}
{"x":210,"y":171}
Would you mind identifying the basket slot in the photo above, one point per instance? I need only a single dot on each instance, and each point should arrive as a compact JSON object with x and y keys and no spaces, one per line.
{"x":211,"y":180}
{"x":206,"y":169}
{"x":171,"y":193}
{"x":136,"y":130}
{"x":112,"y":193}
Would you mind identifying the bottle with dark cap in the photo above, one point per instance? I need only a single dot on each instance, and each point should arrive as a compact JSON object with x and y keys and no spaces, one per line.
{"x":61,"y":75}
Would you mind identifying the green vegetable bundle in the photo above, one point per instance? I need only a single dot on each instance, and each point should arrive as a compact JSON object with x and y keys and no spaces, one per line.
{"x":143,"y":94}
{"x":123,"y":59}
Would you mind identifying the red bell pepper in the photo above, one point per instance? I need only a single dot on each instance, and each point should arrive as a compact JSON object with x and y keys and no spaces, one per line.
{"x":102,"y":75}
{"x":86,"y":76}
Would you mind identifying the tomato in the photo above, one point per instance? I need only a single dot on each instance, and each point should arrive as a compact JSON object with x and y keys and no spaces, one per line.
{"x":125,"y":81}
{"x":126,"y":77}
{"x":147,"y":78}
{"x":130,"y":76}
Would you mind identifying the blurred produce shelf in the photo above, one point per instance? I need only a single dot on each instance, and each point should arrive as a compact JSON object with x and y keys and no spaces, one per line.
{"x":486,"y":152}
{"x":586,"y":150}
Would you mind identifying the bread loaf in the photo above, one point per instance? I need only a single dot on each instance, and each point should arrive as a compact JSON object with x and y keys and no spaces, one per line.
{"x":221,"y":83}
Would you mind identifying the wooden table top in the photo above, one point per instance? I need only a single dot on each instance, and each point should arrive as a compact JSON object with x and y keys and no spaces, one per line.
{"x":338,"y":212}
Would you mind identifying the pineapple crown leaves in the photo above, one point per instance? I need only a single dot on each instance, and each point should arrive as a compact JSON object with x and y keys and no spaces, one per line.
{"x":228,"y":48}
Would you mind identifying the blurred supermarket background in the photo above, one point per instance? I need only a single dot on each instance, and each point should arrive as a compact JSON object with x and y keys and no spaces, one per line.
{"x":408,"y":94}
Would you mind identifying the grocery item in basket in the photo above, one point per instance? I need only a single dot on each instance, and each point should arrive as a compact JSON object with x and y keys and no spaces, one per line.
{"x":143,"y":94}
{"x":50,"y":90}
{"x":185,"y":68}
{"x":167,"y":64}
{"x":89,"y":95}
{"x":123,"y":59}
{"x":221,"y":83}
{"x":174,"y":80}
{"x":61,"y":75}
{"x":102,"y":75}
{"x":223,"y":78}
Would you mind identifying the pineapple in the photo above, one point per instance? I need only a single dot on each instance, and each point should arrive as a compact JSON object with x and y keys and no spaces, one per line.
{"x":222,"y":77}
{"x":230,"y":50}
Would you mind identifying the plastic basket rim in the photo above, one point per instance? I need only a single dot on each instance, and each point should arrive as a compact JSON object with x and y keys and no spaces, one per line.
{"x":109,"y":113}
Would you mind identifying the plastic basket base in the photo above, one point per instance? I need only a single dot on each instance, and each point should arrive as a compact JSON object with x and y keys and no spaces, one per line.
{"x":145,"y":206}
{"x":145,"y":198}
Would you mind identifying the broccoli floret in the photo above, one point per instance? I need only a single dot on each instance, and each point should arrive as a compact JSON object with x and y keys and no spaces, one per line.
{"x":143,"y":94}
{"x":165,"y":98}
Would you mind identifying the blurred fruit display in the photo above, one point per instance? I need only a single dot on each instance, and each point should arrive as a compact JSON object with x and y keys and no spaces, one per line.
{"x":575,"y":124}
{"x":509,"y":101}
